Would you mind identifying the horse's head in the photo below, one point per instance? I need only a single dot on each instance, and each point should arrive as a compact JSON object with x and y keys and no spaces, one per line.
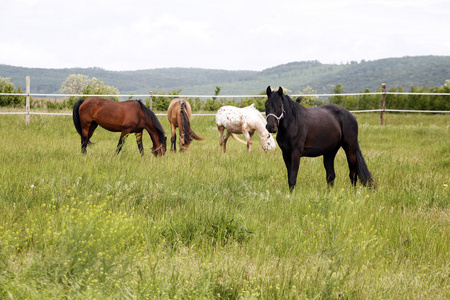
{"x":185,"y":141}
{"x":268,"y":142}
{"x":161,"y":149}
{"x":274,"y":109}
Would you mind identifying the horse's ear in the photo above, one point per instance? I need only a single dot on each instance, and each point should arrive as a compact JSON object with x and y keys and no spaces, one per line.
{"x":299,"y":99}
{"x":268,"y":91}
{"x":280,"y":91}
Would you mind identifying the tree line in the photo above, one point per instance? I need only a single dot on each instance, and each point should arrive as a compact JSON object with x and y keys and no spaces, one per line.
{"x":82,"y":84}
{"x":394,"y":101}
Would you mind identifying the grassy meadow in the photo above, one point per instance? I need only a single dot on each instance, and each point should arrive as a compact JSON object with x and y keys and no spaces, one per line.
{"x":207,"y":225}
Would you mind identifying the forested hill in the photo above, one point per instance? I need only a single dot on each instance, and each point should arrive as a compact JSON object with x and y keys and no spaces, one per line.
{"x":296,"y":76}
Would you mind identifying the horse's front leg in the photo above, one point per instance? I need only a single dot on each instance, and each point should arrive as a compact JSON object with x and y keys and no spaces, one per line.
{"x":248,"y":136}
{"x":139,"y":142}
{"x":292,"y":161}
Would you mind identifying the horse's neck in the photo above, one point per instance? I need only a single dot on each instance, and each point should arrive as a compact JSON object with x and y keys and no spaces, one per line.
{"x":260,"y":126}
{"x":291,"y":112}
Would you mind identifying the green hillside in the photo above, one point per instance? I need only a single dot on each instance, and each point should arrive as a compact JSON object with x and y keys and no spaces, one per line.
{"x":295,"y":76}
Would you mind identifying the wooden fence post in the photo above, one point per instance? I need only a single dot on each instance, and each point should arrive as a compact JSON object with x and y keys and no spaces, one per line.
{"x":151,"y":100}
{"x":28,"y":89}
{"x":383,"y":102}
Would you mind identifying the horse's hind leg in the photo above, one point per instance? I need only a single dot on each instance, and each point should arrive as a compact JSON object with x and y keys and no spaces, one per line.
{"x":122,"y":138}
{"x":84,"y":142}
{"x":173,"y":139}
{"x":86,"y":134}
{"x":221,"y":137}
{"x":352,"y":163}
{"x":139,"y":142}
{"x":225,"y":139}
{"x":328,"y":163}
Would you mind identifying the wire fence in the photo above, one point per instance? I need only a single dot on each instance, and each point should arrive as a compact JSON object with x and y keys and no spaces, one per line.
{"x":225,"y":97}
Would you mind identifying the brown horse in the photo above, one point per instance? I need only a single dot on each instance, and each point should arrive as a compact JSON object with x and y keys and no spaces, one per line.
{"x":178,"y":114}
{"x":125,"y":117}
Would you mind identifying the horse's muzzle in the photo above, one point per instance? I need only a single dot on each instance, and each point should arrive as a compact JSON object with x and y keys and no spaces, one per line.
{"x":272,"y":128}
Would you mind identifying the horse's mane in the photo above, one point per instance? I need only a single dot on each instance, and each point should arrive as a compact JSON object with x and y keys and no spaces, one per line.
{"x":156,"y":123}
{"x":291,"y":108}
{"x":186,"y":123}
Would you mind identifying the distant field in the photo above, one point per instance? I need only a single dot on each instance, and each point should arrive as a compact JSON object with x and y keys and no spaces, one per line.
{"x":203,"y":224}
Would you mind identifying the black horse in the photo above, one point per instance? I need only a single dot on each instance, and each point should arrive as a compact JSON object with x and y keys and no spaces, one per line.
{"x":314,"y":132}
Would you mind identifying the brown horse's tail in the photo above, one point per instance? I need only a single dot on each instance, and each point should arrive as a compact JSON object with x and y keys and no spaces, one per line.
{"x":76,"y":115}
{"x":362,"y":170}
{"x":189,"y":134}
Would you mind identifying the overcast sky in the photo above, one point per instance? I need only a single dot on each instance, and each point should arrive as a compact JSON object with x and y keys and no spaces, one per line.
{"x":232,"y":35}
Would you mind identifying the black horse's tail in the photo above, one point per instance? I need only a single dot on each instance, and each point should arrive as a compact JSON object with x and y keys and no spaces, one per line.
{"x":362,"y":170}
{"x":76,"y":115}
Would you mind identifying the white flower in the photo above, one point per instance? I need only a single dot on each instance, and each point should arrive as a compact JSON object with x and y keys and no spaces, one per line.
{"x":32,"y":186}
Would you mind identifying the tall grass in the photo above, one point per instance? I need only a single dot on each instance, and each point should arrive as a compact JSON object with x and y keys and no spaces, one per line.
{"x":204,"y":224}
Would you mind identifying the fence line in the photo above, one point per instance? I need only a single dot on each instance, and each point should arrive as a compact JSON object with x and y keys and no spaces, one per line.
{"x":227,"y":96}
{"x":201,"y":115}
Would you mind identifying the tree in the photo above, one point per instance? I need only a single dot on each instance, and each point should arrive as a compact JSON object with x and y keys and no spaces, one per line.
{"x":310,"y":101}
{"x":81,"y":84}
{"x":162,"y":103}
{"x":97,"y":87}
{"x":214,"y":104}
{"x":75,"y":84}
{"x":338,"y":99}
{"x":258,"y":101}
{"x":6,"y":86}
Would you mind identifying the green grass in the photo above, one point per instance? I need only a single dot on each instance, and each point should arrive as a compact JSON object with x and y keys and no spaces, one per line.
{"x":203,"y":224}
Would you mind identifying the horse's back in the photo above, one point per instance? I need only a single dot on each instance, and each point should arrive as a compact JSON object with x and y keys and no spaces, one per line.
{"x":100,"y":105}
{"x":231,"y":118}
{"x":175,"y":105}
{"x":174,"y":110}
{"x":231,"y":114}
{"x":226,"y":115}
{"x":109,"y":114}
{"x":345,"y":118}
{"x":334,"y":121}
{"x":324,"y":114}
